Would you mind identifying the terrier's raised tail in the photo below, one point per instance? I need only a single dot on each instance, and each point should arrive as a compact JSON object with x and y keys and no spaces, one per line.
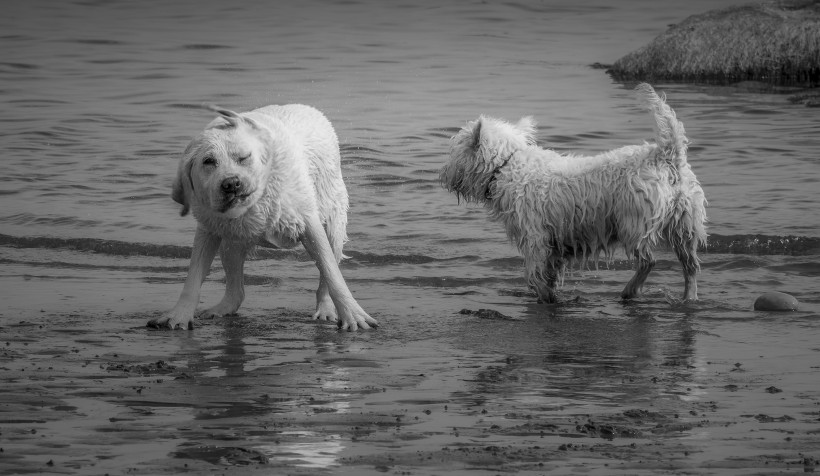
{"x":669,"y":132}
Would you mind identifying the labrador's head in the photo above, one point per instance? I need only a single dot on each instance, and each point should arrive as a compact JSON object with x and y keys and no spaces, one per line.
{"x":225,"y":168}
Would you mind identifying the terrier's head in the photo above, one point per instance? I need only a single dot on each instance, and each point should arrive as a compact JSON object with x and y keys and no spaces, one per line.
{"x":479,"y":150}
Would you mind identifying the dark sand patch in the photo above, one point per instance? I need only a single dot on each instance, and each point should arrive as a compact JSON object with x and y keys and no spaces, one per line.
{"x":599,"y":388}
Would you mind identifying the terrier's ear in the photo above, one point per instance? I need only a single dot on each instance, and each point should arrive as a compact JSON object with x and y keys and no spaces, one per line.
{"x":476,"y":141}
{"x":527,"y":127}
{"x":183,"y":187}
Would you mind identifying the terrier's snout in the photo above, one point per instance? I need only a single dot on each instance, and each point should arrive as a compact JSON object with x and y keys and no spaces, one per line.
{"x":231,"y":185}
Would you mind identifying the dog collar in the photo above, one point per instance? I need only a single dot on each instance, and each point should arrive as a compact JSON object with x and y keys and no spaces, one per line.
{"x":487,"y":194}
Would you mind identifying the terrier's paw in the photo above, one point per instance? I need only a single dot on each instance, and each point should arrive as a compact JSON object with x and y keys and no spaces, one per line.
{"x":173,"y":320}
{"x":546,"y":293}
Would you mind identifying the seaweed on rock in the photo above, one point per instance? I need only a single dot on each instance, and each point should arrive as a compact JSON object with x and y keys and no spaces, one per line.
{"x":776,"y":42}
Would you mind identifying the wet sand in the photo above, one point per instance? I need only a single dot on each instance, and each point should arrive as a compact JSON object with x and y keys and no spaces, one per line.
{"x":596,"y":387}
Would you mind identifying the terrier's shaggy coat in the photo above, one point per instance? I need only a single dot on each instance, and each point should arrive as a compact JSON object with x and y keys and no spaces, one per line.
{"x":560,"y":208}
{"x":268,"y":177}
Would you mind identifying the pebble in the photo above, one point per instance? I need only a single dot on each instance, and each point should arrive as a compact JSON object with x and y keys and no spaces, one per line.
{"x":775,"y":301}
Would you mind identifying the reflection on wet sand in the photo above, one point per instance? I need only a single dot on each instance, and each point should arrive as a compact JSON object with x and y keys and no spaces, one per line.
{"x":569,"y":384}
{"x":583,"y":356}
{"x":306,"y":449}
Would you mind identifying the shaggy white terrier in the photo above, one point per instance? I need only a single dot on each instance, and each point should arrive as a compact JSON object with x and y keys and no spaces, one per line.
{"x":558,"y":209}
{"x":270,"y":177}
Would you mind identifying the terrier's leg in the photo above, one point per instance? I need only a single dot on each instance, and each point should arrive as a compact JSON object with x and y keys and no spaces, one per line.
{"x":546,"y":292}
{"x":634,"y":287}
{"x":690,"y":287}
{"x":686,"y":251}
{"x":685,"y":232}
{"x":543,"y":280}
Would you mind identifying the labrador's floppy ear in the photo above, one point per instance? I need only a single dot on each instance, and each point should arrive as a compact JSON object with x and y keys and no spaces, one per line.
{"x":230,"y":116}
{"x":233,"y":118}
{"x":182,"y":188}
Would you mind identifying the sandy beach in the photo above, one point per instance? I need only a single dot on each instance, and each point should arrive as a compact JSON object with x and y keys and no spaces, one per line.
{"x":94,"y":391}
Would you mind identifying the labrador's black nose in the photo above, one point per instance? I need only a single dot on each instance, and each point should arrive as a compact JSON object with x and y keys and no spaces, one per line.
{"x":231,"y":185}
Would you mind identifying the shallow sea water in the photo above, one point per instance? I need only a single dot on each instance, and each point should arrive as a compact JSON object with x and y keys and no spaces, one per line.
{"x":100,"y":98}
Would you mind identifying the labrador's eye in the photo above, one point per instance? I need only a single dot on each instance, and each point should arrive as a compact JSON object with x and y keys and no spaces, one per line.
{"x":209,"y":161}
{"x":244,"y":158}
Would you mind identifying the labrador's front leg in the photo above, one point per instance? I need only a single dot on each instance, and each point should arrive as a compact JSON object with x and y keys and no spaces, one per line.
{"x":325,"y":309}
{"x":233,"y":262}
{"x":182,"y":315}
{"x":351,"y":315}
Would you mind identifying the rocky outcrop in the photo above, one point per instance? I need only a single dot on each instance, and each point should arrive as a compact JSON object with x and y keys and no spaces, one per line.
{"x":775,"y":42}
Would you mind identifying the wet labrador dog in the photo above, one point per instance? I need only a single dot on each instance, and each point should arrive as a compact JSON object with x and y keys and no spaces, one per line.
{"x":268,"y":177}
